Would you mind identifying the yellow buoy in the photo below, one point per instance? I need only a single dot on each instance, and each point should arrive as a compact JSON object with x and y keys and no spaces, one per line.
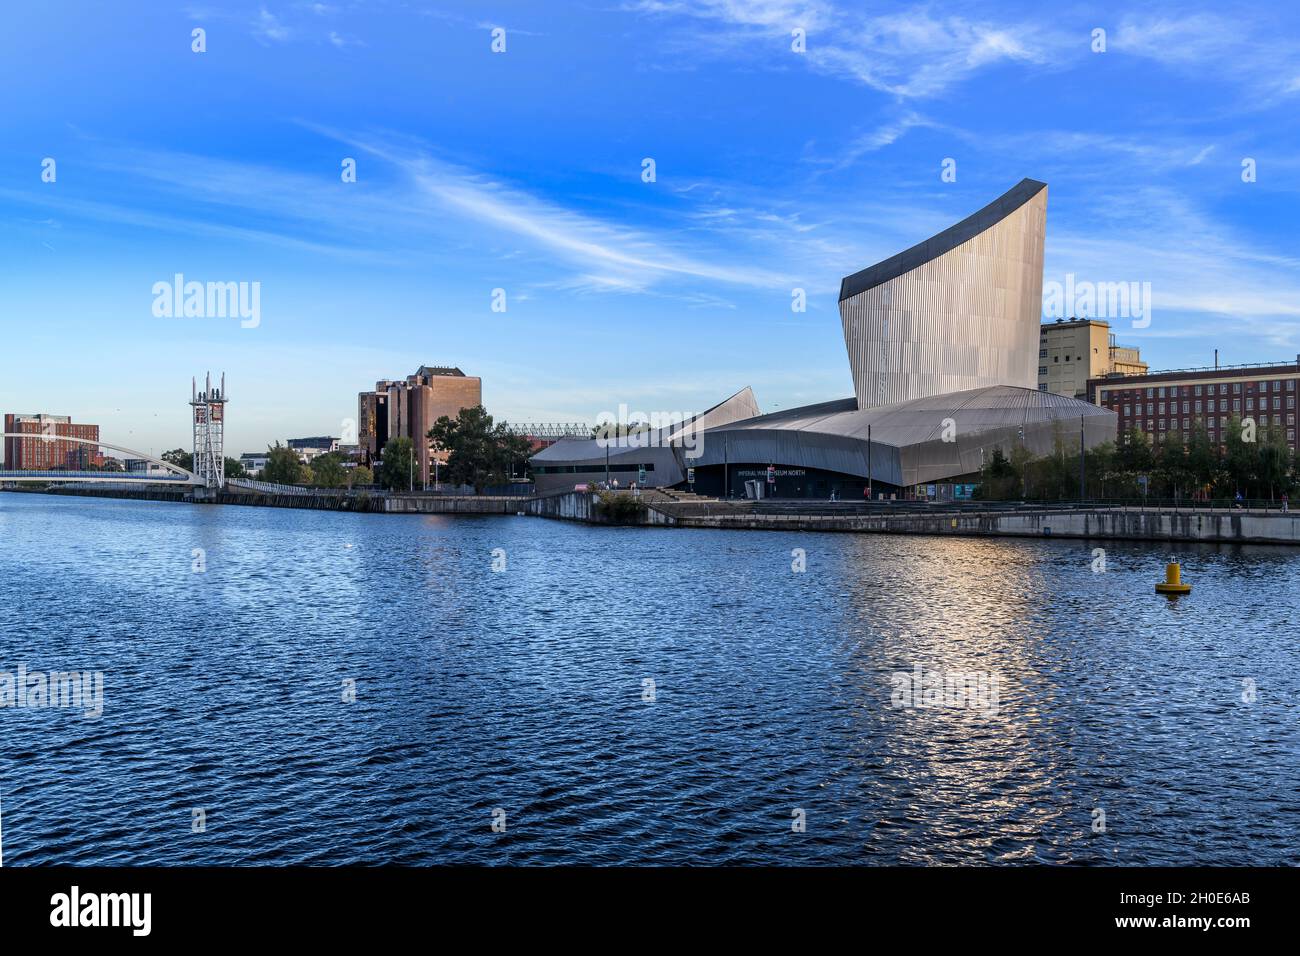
{"x":1173,"y":582}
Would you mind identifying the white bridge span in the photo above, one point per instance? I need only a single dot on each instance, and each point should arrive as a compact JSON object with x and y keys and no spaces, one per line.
{"x":178,"y":476}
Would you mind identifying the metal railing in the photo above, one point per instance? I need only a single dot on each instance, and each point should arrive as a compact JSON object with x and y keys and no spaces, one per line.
{"x":274,"y":488}
{"x":127,"y":476}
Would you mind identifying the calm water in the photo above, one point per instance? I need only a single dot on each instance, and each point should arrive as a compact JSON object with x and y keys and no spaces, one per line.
{"x":523,"y":690}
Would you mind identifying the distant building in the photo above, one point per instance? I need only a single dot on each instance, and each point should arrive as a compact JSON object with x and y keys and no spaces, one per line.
{"x":309,"y":448}
{"x":44,"y":451}
{"x":254,"y":461}
{"x":143,"y":466}
{"x":544,"y":435}
{"x":1071,"y":352}
{"x":372,"y":420}
{"x":408,"y":409}
{"x":1162,"y":402}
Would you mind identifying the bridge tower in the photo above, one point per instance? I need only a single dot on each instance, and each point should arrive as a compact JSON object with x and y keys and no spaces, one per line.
{"x":209,"y":431}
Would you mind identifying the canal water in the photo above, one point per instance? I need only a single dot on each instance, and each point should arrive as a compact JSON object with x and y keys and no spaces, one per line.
{"x":536,"y":692}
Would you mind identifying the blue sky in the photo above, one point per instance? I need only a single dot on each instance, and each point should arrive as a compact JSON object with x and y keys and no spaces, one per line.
{"x":522,"y":171}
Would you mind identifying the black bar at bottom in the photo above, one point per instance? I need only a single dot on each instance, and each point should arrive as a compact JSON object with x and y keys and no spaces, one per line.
{"x":335,"y":906}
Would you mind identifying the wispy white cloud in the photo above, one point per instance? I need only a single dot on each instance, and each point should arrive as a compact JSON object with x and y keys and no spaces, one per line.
{"x":1240,"y":48}
{"x":907,"y":55}
{"x":342,"y":42}
{"x":873,"y":140}
{"x":267,"y":27}
{"x":605,"y":252}
{"x":1208,"y":281}
{"x":412,"y":205}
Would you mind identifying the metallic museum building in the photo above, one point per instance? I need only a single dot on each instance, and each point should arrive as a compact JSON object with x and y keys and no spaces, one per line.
{"x":943,"y":345}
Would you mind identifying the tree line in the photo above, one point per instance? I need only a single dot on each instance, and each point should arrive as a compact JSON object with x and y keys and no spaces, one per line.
{"x":480,"y":453}
{"x":1253,"y":462}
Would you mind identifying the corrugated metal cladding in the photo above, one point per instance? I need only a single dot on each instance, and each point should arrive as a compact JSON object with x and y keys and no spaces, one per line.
{"x":943,"y":344}
{"x":667,"y":451}
{"x":923,"y":440}
{"x":961,"y":316}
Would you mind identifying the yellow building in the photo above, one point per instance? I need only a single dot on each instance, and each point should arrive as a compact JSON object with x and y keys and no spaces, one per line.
{"x":1072,"y":351}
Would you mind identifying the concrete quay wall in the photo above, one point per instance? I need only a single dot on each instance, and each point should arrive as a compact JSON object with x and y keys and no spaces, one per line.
{"x":1242,"y":527}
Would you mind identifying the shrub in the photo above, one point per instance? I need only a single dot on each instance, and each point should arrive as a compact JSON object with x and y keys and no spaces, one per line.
{"x":619,"y":509}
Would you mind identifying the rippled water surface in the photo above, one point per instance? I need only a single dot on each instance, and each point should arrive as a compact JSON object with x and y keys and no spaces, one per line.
{"x":523,"y":690}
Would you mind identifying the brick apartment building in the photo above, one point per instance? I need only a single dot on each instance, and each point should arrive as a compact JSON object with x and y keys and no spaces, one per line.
{"x":44,"y":451}
{"x":1161,"y":402}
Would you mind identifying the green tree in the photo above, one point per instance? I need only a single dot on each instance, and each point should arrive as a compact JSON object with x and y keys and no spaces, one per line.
{"x":1134,"y":457}
{"x":328,"y":470}
{"x":396,"y":473}
{"x":235,"y":468}
{"x":479,"y":453}
{"x":1171,"y":465}
{"x":180,"y":458}
{"x":1202,"y":459}
{"x":1274,"y":461}
{"x":1101,"y":470}
{"x":999,"y":479}
{"x":1063,"y":465}
{"x":282,"y":465}
{"x":1020,"y":460}
{"x":610,"y":429}
{"x":360,"y":475}
{"x":1241,"y":456}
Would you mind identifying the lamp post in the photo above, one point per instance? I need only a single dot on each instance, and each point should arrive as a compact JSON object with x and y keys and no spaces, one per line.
{"x":726,"y":469}
{"x":1083,"y":483}
{"x":1024,"y":464}
{"x":870,"y":483}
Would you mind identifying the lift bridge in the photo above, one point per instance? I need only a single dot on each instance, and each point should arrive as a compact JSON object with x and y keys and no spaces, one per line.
{"x":208,"y":414}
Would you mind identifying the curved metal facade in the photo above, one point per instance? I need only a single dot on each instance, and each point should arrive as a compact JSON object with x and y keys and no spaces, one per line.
{"x":666,"y":453}
{"x":922,"y":440}
{"x":958,"y":311}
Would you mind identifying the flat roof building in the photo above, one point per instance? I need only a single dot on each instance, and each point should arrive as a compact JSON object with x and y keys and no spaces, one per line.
{"x":1074,"y":351}
{"x":408,"y":409}
{"x":311,"y":448}
{"x":43,"y":451}
{"x":1159,"y":403}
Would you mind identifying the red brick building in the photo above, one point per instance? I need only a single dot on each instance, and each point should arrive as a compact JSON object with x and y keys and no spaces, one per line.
{"x":44,"y":451}
{"x":408,"y":409}
{"x":1161,"y":402}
